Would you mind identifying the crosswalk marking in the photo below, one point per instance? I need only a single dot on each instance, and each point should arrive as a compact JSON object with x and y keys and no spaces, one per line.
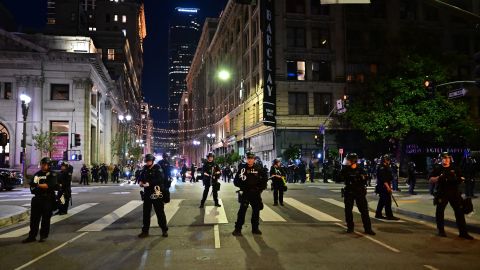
{"x":55,"y":219}
{"x":342,"y":205}
{"x":215,"y":215}
{"x":107,"y":220}
{"x":170,"y":209}
{"x":320,"y":216}
{"x":267,"y":214}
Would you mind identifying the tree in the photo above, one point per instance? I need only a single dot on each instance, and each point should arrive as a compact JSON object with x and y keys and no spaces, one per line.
{"x":292,"y":152}
{"x":232,"y":158}
{"x":136,"y":152}
{"x":44,"y":141}
{"x":396,"y":105}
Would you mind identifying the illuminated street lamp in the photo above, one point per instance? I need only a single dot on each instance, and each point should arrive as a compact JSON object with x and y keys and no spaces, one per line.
{"x":224,"y":75}
{"x":25,"y":101}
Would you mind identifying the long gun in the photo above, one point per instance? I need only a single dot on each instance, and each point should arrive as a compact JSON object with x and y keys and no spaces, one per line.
{"x":394,"y":200}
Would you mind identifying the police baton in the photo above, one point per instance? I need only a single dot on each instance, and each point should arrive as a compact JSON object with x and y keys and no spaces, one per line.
{"x":393,"y":198}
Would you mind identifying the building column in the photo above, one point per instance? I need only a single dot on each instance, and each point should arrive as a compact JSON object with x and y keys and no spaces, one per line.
{"x":107,"y":131}
{"x":37,"y":115}
{"x":21,"y":82}
{"x":82,"y":89}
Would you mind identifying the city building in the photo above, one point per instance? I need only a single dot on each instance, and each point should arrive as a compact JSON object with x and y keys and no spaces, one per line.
{"x":71,"y":93}
{"x":290,"y":61}
{"x":182,"y":40}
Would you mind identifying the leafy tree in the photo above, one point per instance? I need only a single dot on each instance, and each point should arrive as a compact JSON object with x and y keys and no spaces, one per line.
{"x":292,"y":152}
{"x":220,"y":160}
{"x":232,"y":158}
{"x":44,"y":141}
{"x":135,"y":152}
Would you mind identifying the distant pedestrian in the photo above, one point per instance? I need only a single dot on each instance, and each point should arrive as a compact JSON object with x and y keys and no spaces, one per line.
{"x":311,"y":171}
{"x":412,"y":178}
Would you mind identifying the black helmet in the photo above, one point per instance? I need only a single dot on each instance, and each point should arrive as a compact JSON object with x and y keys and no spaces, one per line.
{"x":165,"y":155}
{"x":64,"y":163}
{"x":444,"y":155}
{"x":149,"y":157}
{"x":250,"y":155}
{"x":210,"y":154}
{"x":46,"y":160}
{"x":386,"y":157}
{"x":352,"y":157}
{"x":275,"y":161}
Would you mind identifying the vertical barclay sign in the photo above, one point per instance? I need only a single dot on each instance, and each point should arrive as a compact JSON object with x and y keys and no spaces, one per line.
{"x":269,"y":91}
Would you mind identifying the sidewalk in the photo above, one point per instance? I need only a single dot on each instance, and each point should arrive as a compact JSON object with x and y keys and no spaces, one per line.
{"x":11,"y":214}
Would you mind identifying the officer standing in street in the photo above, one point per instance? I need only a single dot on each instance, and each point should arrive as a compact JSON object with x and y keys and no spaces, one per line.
{"x":192,"y":172}
{"x":64,"y":180}
{"x":384,"y":189}
{"x":252,"y":180}
{"x":165,"y":165}
{"x":153,"y":183}
{"x":43,"y":187}
{"x":278,"y":182}
{"x":211,"y":173}
{"x":448,"y":178}
{"x":355,"y":190}
{"x":412,"y":178}
{"x":84,"y":175}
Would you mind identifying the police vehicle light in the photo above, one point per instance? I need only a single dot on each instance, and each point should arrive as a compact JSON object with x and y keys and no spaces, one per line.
{"x":74,"y":157}
{"x":319,"y":155}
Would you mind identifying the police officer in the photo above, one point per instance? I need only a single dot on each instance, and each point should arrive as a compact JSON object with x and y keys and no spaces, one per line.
{"x":384,"y":189}
{"x":43,"y":187}
{"x":448,"y":178}
{"x":153,"y":183}
{"x":84,"y":175}
{"x":211,"y":173}
{"x":278,"y":183}
{"x":64,"y":180}
{"x":252,"y":179}
{"x":192,"y":172}
{"x":355,"y":190}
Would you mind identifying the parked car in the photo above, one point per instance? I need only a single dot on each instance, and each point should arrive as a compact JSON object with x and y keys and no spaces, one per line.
{"x":10,"y":178}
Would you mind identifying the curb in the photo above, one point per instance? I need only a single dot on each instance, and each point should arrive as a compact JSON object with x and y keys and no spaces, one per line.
{"x":15,"y":218}
{"x":448,"y":223}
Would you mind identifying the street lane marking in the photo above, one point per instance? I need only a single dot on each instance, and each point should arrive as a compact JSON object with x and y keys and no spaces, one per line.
{"x":55,"y":219}
{"x":16,"y":200}
{"x":216,"y":235}
{"x":373,"y":240}
{"x":107,"y":220}
{"x":430,"y":267}
{"x":170,"y":210}
{"x":267,"y":214}
{"x":320,"y":216}
{"x":215,"y":215}
{"x":50,"y":252}
{"x":355,"y":209}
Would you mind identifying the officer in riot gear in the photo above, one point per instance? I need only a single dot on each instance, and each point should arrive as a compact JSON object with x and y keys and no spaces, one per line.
{"x":154,"y":185}
{"x":448,"y":178}
{"x":384,"y":189}
{"x":64,"y":180}
{"x":252,"y":179}
{"x":355,"y":191}
{"x":278,"y":182}
{"x":211,"y":173}
{"x":42,"y":186}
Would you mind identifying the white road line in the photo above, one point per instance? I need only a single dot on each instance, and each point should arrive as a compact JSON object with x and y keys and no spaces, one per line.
{"x":170,"y":209}
{"x":430,"y":267}
{"x":55,"y":219}
{"x":372,"y":214}
{"x":16,"y":200}
{"x":50,"y":252}
{"x":215,"y":215}
{"x":216,"y":235}
{"x":107,"y":220}
{"x":267,"y":214}
{"x":320,"y":216}
{"x":373,"y":240}
{"x":27,"y":205}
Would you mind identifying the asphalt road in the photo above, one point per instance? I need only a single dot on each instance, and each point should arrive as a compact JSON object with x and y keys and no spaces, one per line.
{"x":101,"y":231}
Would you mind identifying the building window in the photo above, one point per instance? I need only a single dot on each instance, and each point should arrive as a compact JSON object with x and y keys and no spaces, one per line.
{"x":322,"y":103}
{"x":321,"y":71}
{"x":297,"y":103}
{"x":93,"y":100}
{"x":59,"y":126}
{"x":296,"y":70}
{"x":295,"y":37}
{"x":7,"y":90}
{"x":124,"y":31}
{"x":124,"y":18}
{"x":107,"y":18}
{"x":320,"y":38}
{"x":295,"y":6}
{"x":111,"y":54}
{"x":115,"y":18}
{"x":319,"y":9}
{"x":59,"y":92}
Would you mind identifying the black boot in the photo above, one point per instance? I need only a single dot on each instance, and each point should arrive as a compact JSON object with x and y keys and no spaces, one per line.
{"x":143,"y":235}
{"x":237,"y":233}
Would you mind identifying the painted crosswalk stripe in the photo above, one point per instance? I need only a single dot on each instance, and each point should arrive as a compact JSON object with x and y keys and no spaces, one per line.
{"x":55,"y":219}
{"x":107,"y":220}
{"x":215,"y":215}
{"x":318,"y":215}
{"x":170,"y":209}
{"x":372,"y":214}
{"x":267,"y":214}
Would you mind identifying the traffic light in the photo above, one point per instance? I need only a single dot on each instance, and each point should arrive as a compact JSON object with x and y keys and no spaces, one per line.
{"x":346,"y":101}
{"x":318,"y":139}
{"x":429,"y":88}
{"x":77,"y":139}
{"x":476,"y":73}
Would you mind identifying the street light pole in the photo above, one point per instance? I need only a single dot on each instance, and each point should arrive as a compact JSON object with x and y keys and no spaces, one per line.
{"x":242,"y":95}
{"x":25,"y":101}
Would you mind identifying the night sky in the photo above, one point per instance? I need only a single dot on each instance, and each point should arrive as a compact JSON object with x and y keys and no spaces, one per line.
{"x":157,"y":12}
